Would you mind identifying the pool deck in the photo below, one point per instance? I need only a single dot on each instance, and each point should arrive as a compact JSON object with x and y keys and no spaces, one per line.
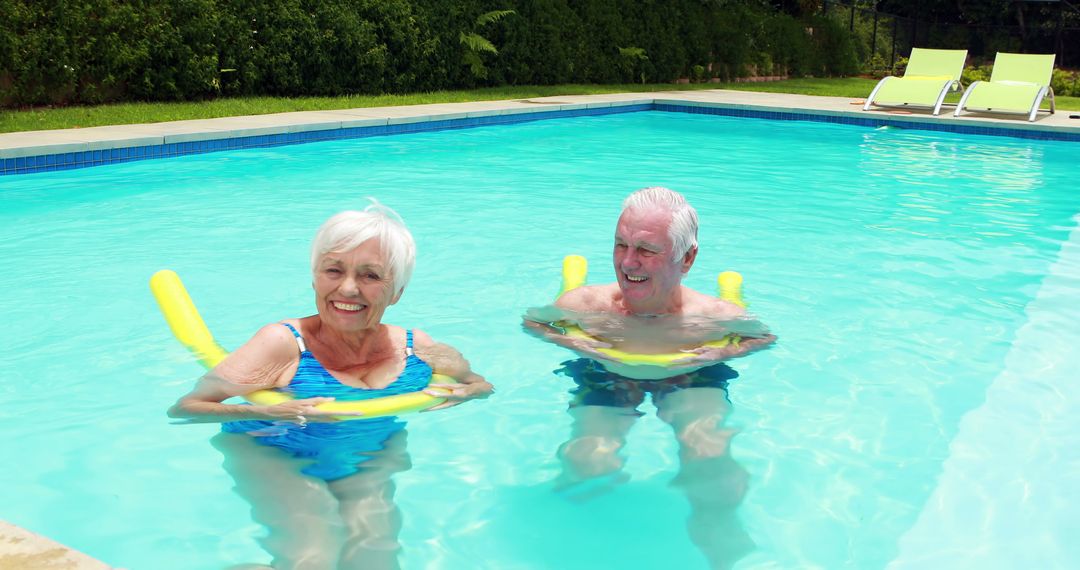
{"x":35,"y":151}
{"x":21,"y":549}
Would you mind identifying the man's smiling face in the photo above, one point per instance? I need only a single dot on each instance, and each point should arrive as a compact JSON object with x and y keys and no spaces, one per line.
{"x":647,"y":274}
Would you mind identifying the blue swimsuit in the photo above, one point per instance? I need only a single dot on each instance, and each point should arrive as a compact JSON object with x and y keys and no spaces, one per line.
{"x":336,"y":448}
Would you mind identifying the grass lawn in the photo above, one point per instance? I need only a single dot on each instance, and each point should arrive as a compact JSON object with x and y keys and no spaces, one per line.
{"x":128,"y":113}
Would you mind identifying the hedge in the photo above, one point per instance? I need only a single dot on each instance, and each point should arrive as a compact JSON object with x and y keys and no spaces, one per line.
{"x":67,"y":52}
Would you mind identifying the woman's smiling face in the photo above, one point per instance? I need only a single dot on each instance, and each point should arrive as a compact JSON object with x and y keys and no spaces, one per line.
{"x":353,"y":288}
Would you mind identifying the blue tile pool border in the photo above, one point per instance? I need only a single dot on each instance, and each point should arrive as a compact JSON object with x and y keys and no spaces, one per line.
{"x":83,"y":159}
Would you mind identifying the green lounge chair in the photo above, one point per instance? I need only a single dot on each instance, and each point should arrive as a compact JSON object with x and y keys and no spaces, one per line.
{"x":929,"y":76}
{"x":1018,"y":84}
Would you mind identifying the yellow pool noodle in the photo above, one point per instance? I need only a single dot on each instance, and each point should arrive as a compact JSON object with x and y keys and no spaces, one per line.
{"x":189,"y":328}
{"x":575,"y":270}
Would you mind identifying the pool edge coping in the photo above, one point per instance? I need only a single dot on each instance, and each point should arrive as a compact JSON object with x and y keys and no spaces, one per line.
{"x":21,"y":549}
{"x":42,"y":151}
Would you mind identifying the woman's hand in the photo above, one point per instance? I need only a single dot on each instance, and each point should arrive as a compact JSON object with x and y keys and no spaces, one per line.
{"x":304,"y":411}
{"x":446,"y":360}
{"x":456,"y":393}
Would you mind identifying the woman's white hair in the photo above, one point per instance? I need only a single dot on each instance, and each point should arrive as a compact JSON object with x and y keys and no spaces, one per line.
{"x":684,"y":222}
{"x":347,"y":230}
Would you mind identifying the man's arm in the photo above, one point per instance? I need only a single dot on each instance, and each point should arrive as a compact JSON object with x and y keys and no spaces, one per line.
{"x":738,"y":345}
{"x":587,"y":299}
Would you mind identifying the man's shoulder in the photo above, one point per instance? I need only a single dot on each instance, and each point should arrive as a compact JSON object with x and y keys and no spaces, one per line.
{"x":588,"y":298}
{"x":697,"y":303}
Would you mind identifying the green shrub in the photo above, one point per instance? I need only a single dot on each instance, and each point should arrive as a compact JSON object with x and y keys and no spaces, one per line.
{"x":786,"y":38}
{"x":175,"y":56}
{"x":96,"y":51}
{"x":900,"y":66}
{"x":596,"y":57}
{"x":1065,"y":83}
{"x":972,"y":74}
{"x":877,"y":67}
{"x":632,"y":62}
{"x":836,"y":48}
{"x":541,"y":45}
{"x":697,"y":73}
{"x":732,"y":40}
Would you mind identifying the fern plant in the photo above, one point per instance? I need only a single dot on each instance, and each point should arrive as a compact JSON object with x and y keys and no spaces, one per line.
{"x":475,"y":44}
{"x":632,"y":57}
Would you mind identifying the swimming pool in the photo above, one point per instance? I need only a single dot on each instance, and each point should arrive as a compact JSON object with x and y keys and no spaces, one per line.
{"x":905,"y":272}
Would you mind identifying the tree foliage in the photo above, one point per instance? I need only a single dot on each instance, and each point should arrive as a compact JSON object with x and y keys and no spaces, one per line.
{"x":65,"y":52}
{"x":476,"y":45}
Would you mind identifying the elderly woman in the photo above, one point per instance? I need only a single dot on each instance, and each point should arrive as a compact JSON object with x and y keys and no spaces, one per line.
{"x":321,"y":485}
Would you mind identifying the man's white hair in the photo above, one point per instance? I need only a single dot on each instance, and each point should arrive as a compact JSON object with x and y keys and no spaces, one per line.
{"x":684,"y":222}
{"x":346,"y":230}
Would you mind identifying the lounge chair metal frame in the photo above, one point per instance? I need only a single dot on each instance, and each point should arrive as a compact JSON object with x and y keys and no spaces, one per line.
{"x":1044,"y":92}
{"x":1015,"y":71}
{"x":952,"y":85}
{"x":934,"y":66}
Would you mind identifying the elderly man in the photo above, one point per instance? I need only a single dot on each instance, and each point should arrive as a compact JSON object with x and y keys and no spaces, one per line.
{"x":655,"y":247}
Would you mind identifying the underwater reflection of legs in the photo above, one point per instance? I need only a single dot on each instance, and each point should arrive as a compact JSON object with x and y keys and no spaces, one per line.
{"x":713,"y":482}
{"x":597,"y":435}
{"x":372,"y":519}
{"x":303,"y":529}
{"x":604,"y":408}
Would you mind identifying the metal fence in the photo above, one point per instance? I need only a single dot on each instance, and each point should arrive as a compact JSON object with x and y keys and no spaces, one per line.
{"x":884,"y":38}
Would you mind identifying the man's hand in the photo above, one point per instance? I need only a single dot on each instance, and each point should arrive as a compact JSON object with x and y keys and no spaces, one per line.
{"x":582,"y":344}
{"x":737,"y":347}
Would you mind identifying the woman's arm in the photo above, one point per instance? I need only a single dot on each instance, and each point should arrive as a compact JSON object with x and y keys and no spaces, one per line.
{"x":444,"y":359}
{"x":263,"y":362}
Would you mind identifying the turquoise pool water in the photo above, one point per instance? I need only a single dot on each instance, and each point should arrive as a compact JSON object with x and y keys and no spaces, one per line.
{"x":910,"y":276}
